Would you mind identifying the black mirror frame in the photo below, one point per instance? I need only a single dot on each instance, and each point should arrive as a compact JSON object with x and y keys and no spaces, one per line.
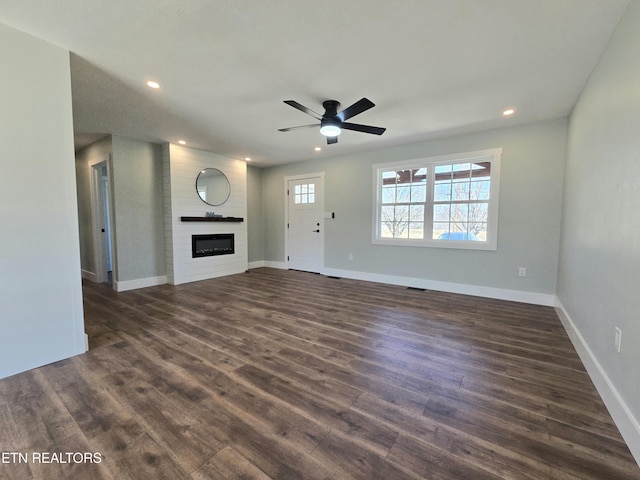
{"x":228,"y":187}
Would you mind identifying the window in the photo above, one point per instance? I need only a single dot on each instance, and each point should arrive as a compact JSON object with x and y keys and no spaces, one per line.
{"x":304,"y":193}
{"x":448,"y":201}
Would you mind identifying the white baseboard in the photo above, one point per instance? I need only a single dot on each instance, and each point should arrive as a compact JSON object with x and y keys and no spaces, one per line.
{"x":139,"y":283}
{"x":87,"y":275}
{"x":465,"y":289}
{"x":622,"y":416}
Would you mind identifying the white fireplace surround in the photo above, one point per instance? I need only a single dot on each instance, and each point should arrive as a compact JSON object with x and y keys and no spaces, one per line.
{"x":181,"y":166}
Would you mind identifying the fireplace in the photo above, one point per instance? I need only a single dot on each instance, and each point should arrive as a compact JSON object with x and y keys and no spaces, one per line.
{"x":214,"y":244}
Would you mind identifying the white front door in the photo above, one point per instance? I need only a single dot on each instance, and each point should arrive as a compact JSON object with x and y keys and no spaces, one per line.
{"x":305,"y":226}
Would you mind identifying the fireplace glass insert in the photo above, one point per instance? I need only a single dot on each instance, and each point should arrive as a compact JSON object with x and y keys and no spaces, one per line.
{"x":213,"y":244}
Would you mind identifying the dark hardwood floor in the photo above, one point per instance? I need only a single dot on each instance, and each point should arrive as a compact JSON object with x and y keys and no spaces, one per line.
{"x":289,"y":375}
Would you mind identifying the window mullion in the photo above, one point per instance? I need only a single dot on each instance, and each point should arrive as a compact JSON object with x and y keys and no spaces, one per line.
{"x":379,"y":205}
{"x":428,"y":207}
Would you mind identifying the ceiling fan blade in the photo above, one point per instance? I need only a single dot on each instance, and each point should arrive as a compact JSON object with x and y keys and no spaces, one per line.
{"x":360,"y":106}
{"x":331,"y":140}
{"x":298,"y":128}
{"x":362,"y":128}
{"x":304,"y":109}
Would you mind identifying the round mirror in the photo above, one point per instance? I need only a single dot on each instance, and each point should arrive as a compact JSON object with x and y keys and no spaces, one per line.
{"x":213,"y":186}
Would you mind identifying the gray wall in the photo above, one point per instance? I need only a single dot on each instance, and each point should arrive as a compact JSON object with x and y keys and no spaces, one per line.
{"x":138,"y":209}
{"x":255,"y":216}
{"x":529,"y":220}
{"x":41,"y":316}
{"x":599,"y":268}
{"x":137,"y":203}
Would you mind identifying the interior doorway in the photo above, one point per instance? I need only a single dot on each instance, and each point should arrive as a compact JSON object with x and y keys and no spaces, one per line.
{"x":305,"y":222}
{"x":102,"y":222}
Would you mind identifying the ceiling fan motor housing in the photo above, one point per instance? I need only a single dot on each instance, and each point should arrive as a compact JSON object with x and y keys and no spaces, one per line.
{"x":331,"y":108}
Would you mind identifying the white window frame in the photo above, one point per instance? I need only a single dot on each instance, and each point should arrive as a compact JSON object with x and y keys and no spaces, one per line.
{"x":491,"y":243}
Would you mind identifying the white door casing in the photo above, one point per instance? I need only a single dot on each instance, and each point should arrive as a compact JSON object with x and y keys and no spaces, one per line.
{"x":304,"y":236}
{"x":101,"y":218}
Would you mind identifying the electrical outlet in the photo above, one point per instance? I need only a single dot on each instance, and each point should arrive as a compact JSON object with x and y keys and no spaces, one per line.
{"x":618,"y":339}
{"x":350,"y":256}
{"x":522,"y":271}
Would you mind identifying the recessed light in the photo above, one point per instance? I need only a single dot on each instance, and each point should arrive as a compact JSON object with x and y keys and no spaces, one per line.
{"x":317,"y":149}
{"x":152,"y":84}
{"x":182,"y":142}
{"x":508,"y":112}
{"x":248,"y":159}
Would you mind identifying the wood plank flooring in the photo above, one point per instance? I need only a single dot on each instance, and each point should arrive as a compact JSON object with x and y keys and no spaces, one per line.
{"x":279,"y":374}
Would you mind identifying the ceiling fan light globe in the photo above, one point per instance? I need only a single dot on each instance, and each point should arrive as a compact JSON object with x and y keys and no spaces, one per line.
{"x":330,"y":130}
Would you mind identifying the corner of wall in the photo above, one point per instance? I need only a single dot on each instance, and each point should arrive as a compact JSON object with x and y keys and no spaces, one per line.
{"x":624,"y":419}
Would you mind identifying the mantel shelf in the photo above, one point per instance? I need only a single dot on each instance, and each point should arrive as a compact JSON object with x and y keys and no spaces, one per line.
{"x":211,"y":219}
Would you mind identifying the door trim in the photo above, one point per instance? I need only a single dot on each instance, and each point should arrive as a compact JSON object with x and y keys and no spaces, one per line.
{"x":286,"y":215}
{"x":97,"y":214}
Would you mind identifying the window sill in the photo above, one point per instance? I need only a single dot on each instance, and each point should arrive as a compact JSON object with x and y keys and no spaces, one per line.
{"x":451,"y":244}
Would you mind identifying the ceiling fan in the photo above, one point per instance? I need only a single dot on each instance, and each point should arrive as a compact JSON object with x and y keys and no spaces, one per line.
{"x":332,"y":121}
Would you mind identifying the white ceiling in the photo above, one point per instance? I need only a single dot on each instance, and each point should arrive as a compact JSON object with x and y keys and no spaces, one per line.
{"x":433,"y":67}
